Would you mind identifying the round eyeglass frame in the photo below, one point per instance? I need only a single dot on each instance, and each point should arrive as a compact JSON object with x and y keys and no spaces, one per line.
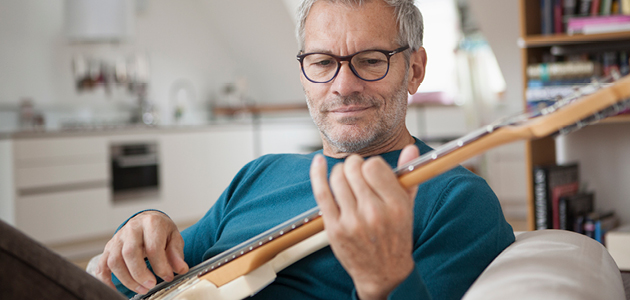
{"x":348,"y":58}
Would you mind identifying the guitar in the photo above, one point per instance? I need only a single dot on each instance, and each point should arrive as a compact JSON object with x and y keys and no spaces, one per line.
{"x":250,"y":266}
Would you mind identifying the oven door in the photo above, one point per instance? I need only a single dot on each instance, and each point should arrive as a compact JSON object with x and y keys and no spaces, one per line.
{"x":135,"y":170}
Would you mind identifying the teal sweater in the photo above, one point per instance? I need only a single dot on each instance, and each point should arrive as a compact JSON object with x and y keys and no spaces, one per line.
{"x":459,"y":229}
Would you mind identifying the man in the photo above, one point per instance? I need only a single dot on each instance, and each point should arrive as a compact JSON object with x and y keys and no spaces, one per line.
{"x":358,"y":61}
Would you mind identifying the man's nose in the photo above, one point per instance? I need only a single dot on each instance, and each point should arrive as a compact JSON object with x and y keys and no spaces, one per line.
{"x":346,"y":83}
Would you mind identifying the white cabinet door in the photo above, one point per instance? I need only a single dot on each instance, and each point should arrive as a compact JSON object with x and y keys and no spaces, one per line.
{"x":197,"y":166}
{"x":58,"y":162}
{"x":55,"y":218}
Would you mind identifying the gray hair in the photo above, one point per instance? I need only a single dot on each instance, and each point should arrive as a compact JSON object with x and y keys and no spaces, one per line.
{"x":408,"y":18}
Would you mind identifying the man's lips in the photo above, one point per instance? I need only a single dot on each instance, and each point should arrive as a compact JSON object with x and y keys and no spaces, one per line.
{"x":352,"y":109}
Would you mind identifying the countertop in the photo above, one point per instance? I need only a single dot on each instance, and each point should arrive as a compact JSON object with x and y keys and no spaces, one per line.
{"x":90,"y":130}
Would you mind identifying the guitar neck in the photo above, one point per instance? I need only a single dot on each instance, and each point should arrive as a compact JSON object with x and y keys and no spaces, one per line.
{"x":566,"y":115}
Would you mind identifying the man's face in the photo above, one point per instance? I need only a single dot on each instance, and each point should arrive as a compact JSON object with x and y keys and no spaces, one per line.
{"x":351,"y":113}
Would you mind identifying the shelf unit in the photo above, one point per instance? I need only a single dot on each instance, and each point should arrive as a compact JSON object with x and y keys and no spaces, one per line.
{"x":533,"y":45}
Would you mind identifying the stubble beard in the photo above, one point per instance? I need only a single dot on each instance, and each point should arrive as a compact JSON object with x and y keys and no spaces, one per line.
{"x":356,"y":138}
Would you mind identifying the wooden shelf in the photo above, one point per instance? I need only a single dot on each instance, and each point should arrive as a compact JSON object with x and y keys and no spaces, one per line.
{"x":534,"y":46}
{"x":561,"y":39}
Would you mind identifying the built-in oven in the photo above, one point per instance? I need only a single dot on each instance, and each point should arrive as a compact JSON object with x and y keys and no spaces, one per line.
{"x":135,"y":168}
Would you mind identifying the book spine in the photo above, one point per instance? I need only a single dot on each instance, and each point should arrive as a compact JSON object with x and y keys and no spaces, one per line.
{"x":563,"y":214}
{"x":540,"y":198}
{"x":625,"y":7}
{"x":589,"y":227}
{"x":585,"y":7}
{"x":546,"y":7}
{"x":557,"y":17}
{"x":606,"y":7}
{"x":595,"y":8}
{"x":597,"y":235}
{"x":561,"y":70}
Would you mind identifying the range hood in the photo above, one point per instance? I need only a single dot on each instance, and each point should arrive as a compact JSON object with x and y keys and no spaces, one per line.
{"x":99,"y":20}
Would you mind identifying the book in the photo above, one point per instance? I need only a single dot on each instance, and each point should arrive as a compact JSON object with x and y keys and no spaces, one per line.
{"x":558,"y":26}
{"x":605,"y":223}
{"x":597,"y":224}
{"x":595,"y":8}
{"x":546,"y":13}
{"x":549,"y":93}
{"x":618,"y":245}
{"x":545,"y":179}
{"x":625,"y":7}
{"x":597,"y":24}
{"x":562,"y":70}
{"x":573,"y":209}
{"x":605,"y":8}
{"x":537,"y":83}
{"x":563,"y":190}
{"x":584,"y":7}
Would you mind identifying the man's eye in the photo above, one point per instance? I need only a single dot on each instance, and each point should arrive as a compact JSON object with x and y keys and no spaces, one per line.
{"x":371,"y":62}
{"x":323,"y":63}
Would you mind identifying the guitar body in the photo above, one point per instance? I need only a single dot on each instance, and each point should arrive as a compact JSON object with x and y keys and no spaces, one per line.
{"x":251,"y":283}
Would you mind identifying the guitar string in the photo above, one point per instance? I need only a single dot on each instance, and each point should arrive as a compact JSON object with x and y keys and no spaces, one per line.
{"x":294,"y":223}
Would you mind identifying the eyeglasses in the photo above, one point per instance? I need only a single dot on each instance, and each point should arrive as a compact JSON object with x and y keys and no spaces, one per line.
{"x":369,"y":65}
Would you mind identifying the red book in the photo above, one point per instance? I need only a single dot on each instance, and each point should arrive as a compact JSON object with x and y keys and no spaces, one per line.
{"x":595,"y":8}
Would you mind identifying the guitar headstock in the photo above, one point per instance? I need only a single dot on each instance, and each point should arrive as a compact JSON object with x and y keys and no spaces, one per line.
{"x":591,"y":104}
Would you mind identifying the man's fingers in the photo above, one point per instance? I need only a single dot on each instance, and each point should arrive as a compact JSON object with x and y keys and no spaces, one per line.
{"x":102,"y":272}
{"x":353,"y":171}
{"x":117,"y":265}
{"x":155,"y":249}
{"x":409,"y":153}
{"x":321,"y":190}
{"x":175,"y":253}
{"x":342,"y":191}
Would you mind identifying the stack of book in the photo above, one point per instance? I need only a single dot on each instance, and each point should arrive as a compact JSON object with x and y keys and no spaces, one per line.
{"x":560,"y":204}
{"x":584,"y":16}
{"x":563,"y":75}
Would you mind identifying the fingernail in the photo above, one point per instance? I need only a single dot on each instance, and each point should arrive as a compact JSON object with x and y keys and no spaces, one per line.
{"x":148,"y":284}
{"x":168,"y":278}
{"x":141,"y":290}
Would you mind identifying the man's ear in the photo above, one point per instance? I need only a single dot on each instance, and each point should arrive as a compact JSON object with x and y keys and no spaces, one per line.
{"x":417,"y":66}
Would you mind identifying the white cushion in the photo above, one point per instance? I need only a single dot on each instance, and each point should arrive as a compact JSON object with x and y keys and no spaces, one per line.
{"x":550,"y":264}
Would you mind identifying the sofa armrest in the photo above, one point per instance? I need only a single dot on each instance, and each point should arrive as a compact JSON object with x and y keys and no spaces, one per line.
{"x":550,"y":264}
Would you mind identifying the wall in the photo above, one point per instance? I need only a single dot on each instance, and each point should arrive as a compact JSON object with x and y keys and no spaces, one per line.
{"x":499,"y":23}
{"x":203,"y":43}
{"x":602,"y":153}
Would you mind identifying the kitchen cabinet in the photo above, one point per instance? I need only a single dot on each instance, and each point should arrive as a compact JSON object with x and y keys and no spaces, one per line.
{"x":57,"y":186}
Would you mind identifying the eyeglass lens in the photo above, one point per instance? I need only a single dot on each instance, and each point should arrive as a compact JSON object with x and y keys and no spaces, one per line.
{"x":368,"y":65}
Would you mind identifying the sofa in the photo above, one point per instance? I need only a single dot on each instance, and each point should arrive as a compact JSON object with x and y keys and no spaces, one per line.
{"x":545,"y":264}
{"x":550,"y":264}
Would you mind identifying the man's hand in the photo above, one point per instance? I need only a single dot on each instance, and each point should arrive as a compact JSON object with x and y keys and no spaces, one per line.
{"x":150,"y":234}
{"x":368,"y":216}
